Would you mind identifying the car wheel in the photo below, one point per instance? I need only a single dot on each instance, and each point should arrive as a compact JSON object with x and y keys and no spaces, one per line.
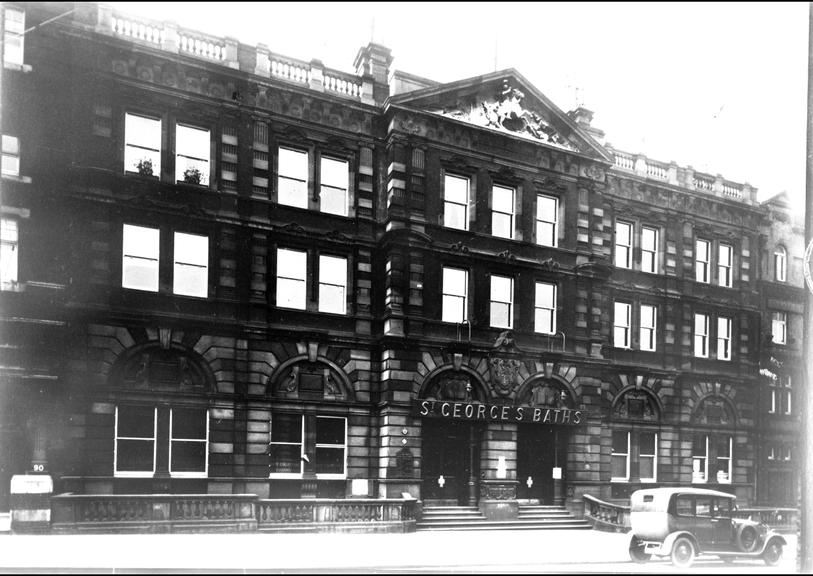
{"x":682,"y":552}
{"x":772,"y":554}
{"x":747,"y":538}
{"x":637,"y":551}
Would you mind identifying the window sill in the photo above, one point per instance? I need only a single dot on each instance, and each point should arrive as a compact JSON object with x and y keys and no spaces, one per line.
{"x":13,"y":287}
{"x":620,"y":480}
{"x":25,"y":68}
{"x":17,"y":178}
{"x":188,"y":475}
{"x":133,"y":474}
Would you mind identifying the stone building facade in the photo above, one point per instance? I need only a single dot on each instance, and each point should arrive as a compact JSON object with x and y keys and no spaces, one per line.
{"x":228,"y":271}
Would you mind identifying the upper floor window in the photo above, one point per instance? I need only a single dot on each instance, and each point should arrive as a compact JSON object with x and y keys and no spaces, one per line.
{"x":455,"y":295}
{"x":334,"y":177}
{"x":192,"y":149}
{"x":781,"y":396}
{"x":142,"y":145}
{"x":701,"y":335}
{"x":14,"y":35}
{"x":140,"y":251}
{"x":11,"y":156}
{"x":780,"y":263}
{"x":649,"y":250}
{"x":723,"y":338}
{"x":724,"y":258}
{"x":547,"y":220}
{"x":649,"y":322}
{"x":622,"y":320}
{"x":779,"y":322}
{"x":701,"y":261}
{"x":545,"y":308}
{"x":292,"y":268}
{"x":502,"y":301}
{"x":456,"y":202}
{"x":191,"y":266}
{"x":292,"y":184}
{"x":623,"y":244}
{"x":502,"y":211}
{"x":332,"y":284}
{"x":9,"y":246}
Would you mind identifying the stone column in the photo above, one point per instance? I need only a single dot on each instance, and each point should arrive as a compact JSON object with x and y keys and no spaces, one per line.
{"x":498,"y":471}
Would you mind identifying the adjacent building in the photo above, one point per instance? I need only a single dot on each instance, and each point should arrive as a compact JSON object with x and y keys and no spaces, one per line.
{"x":228,"y":271}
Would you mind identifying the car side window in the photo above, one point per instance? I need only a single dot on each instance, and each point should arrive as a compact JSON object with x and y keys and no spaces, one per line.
{"x":685,"y":506}
{"x":703,"y":507}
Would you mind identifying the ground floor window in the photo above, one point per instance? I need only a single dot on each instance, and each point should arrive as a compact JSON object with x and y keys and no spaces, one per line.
{"x":634,"y":456}
{"x":712,"y":454}
{"x":299,"y":440}
{"x":146,"y":435}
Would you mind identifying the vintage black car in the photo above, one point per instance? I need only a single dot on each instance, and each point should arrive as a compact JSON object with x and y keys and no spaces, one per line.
{"x":682,"y":523}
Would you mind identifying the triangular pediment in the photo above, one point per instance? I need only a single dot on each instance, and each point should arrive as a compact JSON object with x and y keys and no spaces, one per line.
{"x":504,"y":102}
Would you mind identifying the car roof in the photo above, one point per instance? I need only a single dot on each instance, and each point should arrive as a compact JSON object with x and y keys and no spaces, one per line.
{"x":663,"y":492}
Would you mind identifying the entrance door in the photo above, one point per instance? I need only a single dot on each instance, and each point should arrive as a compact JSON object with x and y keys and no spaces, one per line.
{"x":536,"y":458}
{"x":446,"y":452}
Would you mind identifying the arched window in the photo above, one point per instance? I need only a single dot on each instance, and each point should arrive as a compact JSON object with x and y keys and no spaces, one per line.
{"x":780,"y":264}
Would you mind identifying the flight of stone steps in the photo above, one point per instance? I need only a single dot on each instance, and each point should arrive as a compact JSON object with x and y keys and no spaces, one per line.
{"x":470,"y":518}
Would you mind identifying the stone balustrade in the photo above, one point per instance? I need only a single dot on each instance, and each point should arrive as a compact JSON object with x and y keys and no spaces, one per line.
{"x":202,"y":46}
{"x":686,"y":177}
{"x":780,"y":519}
{"x":290,"y":69}
{"x":334,"y":514}
{"x":606,"y":515}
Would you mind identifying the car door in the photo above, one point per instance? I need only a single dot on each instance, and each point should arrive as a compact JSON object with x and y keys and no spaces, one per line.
{"x":703,"y":527}
{"x":723,"y":534}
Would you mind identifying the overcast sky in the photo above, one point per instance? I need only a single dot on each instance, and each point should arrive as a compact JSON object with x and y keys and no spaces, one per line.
{"x":718,"y":86}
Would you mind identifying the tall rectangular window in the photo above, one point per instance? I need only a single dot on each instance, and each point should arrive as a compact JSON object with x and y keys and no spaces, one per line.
{"x":192,"y":150}
{"x":13,"y":40}
{"x":135,"y":433}
{"x":455,"y":295}
{"x":140,"y":250}
{"x":291,"y":278}
{"x":502,"y":211}
{"x":649,"y":250}
{"x":285,"y":445}
{"x":456,"y":202}
{"x":724,"y":257}
{"x":648,"y":456}
{"x":723,"y":338}
{"x":502,"y":301}
{"x":723,"y":447}
{"x":332,"y":284}
{"x":649,"y":325}
{"x":620,"y":458}
{"x":334,"y":178}
{"x":786,"y":394}
{"x":9,"y":250}
{"x":623,"y":244}
{"x":545,"y":308}
{"x":701,"y":261}
{"x":292,"y":183}
{"x":547,"y":220}
{"x":188,"y":441}
{"x":11,"y":156}
{"x":622,"y":319}
{"x":331,"y":446}
{"x":780,"y":264}
{"x":700,"y":458}
{"x":191,"y":265}
{"x":779,"y":321}
{"x":142,"y":145}
{"x":701,"y":335}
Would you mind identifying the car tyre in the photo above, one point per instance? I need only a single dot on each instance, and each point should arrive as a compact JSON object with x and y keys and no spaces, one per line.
{"x":637,"y":553}
{"x":772,"y":553}
{"x":683,"y":552}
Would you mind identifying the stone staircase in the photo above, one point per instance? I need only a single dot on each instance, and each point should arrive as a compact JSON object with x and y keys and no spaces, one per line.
{"x":470,"y":518}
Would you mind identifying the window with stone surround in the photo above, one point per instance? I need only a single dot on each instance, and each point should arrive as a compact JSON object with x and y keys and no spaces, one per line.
{"x":502,"y":302}
{"x":191,"y":266}
{"x":779,"y":323}
{"x":502,"y":211}
{"x":9,"y":253}
{"x":10,"y":156}
{"x":701,"y":261}
{"x":334,"y":175}
{"x":332,"y":284}
{"x":140,"y":254}
{"x":292,"y":446}
{"x":13,"y":36}
{"x":192,"y":152}
{"x":724,"y":262}
{"x":712,"y":458}
{"x":780,"y":264}
{"x":649,"y":327}
{"x":136,"y":430}
{"x":142,"y":145}
{"x":456,"y":201}
{"x":649,"y":249}
{"x":701,"y":335}
{"x":723,"y":338}
{"x":547,"y":220}
{"x":623,"y":244}
{"x":622,"y":322}
{"x":455,"y":295}
{"x":188,"y":442}
{"x":545,"y":308}
{"x":292,"y":276}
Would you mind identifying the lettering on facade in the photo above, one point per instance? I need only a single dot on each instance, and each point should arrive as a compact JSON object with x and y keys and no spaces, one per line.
{"x":497,"y":412}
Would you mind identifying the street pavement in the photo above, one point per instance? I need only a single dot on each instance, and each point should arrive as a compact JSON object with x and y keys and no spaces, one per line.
{"x":489,"y":551}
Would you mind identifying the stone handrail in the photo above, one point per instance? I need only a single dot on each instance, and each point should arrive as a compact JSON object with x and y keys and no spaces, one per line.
{"x":148,"y":31}
{"x":201,"y":45}
{"x":686,"y":177}
{"x":342,"y":83}
{"x":290,"y":69}
{"x":70,"y":512}
{"x":322,"y":510}
{"x":606,"y":515}
{"x":780,"y":519}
